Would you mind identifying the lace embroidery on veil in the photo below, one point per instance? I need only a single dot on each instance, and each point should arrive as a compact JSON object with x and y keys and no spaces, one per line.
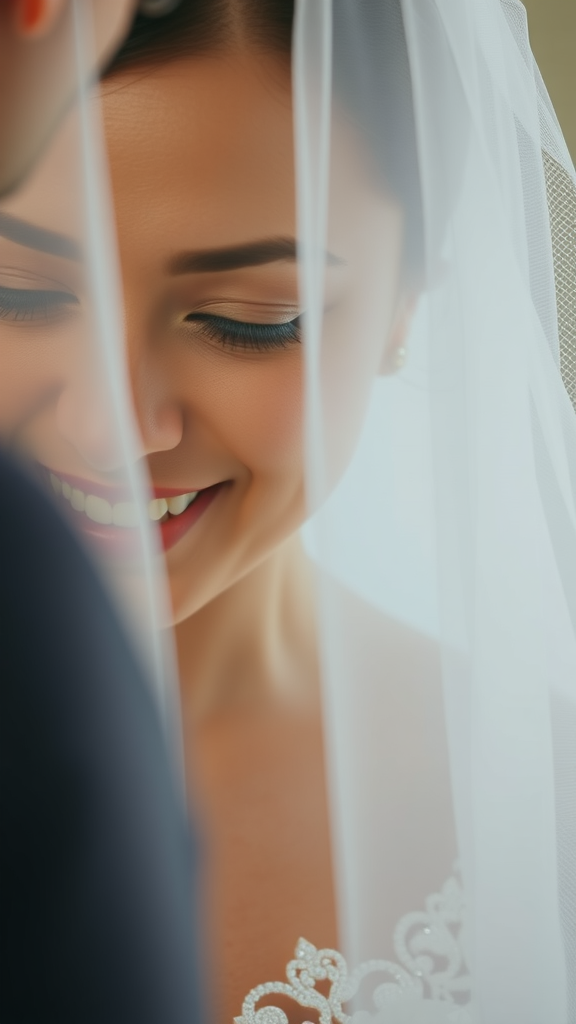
{"x":430,"y":984}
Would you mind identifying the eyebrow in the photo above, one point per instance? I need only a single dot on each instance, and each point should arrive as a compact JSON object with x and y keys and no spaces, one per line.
{"x":233,"y":257}
{"x":33,"y":237}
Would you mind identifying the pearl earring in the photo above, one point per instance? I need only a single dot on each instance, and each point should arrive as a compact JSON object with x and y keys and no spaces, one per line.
{"x":400,"y":357}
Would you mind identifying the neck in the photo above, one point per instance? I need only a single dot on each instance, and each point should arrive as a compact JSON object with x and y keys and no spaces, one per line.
{"x":255,"y":642}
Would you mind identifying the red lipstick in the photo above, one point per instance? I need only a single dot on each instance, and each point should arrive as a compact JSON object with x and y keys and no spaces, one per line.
{"x":174,"y":527}
{"x":123,"y":541}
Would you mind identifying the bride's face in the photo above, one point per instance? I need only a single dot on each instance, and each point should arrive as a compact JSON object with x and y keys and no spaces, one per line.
{"x":202,"y":168}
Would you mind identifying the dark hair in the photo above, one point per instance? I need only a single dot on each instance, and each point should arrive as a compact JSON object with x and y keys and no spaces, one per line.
{"x":197,"y":27}
{"x":370,"y":65}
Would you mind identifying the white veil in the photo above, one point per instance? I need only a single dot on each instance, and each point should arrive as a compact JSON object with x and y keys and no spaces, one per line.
{"x":446,"y":549}
{"x":442,"y":492}
{"x":65,"y":401}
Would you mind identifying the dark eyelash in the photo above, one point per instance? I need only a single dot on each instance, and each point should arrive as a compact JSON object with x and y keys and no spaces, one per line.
{"x":18,"y":304}
{"x":252,"y":337}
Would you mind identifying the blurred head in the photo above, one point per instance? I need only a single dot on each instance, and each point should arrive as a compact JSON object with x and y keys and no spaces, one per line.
{"x":199,"y":128}
{"x":37,"y":79}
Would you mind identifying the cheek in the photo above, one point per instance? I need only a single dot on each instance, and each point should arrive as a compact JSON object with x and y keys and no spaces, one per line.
{"x":257,"y":413}
{"x":28,"y":377}
{"x":38,"y":366}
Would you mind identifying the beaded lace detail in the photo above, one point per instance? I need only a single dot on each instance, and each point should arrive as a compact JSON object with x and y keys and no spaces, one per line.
{"x":429,"y":984}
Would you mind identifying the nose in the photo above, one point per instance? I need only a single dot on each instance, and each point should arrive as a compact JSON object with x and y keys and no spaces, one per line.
{"x":158,"y":412}
{"x":107,"y":426}
{"x":89,"y":418}
{"x":136,"y":414}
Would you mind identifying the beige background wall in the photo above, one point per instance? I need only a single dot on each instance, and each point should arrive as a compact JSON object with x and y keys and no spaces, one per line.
{"x":552,"y":25}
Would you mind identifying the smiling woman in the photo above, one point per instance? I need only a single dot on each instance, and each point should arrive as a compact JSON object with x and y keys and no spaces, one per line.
{"x":303,"y":198}
{"x":206,"y":227}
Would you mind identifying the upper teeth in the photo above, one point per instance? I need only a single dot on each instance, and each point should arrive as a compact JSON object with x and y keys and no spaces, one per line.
{"x":123,"y":513}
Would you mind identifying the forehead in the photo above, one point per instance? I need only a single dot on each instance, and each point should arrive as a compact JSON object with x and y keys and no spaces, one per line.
{"x":203,"y":144}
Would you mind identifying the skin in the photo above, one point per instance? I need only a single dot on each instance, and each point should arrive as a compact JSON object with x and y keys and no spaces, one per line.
{"x":38,"y":76}
{"x":201,"y":157}
{"x":208,"y":413}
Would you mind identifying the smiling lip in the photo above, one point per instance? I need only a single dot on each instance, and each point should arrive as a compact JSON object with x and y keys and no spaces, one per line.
{"x":124,"y":541}
{"x":173,"y":528}
{"x":113,"y":492}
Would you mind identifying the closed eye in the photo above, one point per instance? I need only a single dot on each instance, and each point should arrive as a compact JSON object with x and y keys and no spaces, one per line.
{"x":27,"y":304}
{"x":238,"y":334}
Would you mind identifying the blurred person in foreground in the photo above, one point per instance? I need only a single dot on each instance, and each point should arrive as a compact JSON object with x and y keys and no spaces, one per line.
{"x":95,"y":855}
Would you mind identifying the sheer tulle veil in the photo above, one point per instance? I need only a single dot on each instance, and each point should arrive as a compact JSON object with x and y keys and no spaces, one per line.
{"x":63,"y":349}
{"x":449,"y":674}
{"x":436,"y":205}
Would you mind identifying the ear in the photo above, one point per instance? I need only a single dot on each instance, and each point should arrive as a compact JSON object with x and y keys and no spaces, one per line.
{"x":33,"y":19}
{"x":394,"y":354}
